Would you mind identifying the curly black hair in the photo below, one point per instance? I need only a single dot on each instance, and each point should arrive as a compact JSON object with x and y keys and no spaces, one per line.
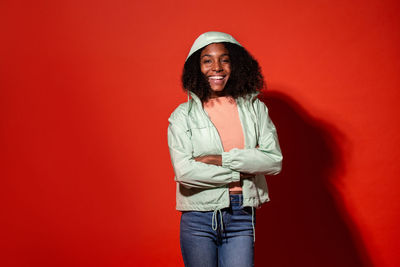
{"x":245,"y":77}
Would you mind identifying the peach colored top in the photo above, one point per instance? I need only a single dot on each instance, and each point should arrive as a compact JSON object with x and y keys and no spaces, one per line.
{"x":224,"y":115}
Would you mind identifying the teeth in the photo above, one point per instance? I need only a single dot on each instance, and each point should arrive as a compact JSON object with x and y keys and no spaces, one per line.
{"x":216,"y":77}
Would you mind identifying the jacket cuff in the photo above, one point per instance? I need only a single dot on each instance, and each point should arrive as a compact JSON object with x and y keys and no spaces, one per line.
{"x":226,"y":160}
{"x":235,"y":176}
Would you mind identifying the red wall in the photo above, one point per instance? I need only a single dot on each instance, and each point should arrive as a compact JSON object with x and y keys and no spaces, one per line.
{"x":86,"y":88}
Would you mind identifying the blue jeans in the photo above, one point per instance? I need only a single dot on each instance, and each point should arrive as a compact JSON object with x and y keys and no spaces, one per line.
{"x":205,"y":242}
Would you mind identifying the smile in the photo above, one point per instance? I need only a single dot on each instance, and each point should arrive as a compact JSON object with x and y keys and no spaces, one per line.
{"x":216,"y":77}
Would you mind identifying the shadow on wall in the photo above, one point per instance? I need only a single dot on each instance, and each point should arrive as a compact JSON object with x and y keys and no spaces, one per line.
{"x":305,"y":223}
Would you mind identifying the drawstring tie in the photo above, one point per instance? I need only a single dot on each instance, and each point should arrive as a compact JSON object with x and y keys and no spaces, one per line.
{"x":252,"y":223}
{"x":214,"y":222}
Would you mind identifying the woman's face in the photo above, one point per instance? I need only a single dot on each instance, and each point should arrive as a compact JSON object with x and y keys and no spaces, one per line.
{"x":216,"y":67}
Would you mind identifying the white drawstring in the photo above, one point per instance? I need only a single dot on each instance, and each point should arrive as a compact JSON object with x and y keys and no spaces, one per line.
{"x":214,"y":219}
{"x":252,"y":222}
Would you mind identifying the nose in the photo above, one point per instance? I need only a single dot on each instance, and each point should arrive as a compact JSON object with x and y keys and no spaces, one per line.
{"x":217,"y":66}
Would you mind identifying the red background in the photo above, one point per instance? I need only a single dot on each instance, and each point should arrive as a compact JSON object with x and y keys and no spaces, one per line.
{"x":86,"y":88}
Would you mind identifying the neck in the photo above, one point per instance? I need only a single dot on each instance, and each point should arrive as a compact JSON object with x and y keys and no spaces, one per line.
{"x":217,"y":94}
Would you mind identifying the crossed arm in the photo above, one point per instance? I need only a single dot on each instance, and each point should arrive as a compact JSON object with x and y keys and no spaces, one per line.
{"x":217,"y":160}
{"x":218,"y":170}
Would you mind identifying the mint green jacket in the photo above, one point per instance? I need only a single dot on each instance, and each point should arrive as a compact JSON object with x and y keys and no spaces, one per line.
{"x":205,"y":187}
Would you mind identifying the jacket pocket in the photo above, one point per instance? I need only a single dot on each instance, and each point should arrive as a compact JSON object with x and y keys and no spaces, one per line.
{"x":203,"y":141}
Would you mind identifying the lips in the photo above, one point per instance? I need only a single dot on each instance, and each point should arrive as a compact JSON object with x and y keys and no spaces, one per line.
{"x":216,"y":79}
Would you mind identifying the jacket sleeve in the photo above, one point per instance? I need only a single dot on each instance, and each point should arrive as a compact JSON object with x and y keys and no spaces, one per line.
{"x":266,"y":158}
{"x":188,"y":172}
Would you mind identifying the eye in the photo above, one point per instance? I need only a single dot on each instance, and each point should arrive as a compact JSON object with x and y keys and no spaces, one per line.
{"x":225,"y":60}
{"x":206,"y":61}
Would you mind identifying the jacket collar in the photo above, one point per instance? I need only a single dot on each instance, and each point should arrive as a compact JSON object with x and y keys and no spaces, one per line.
{"x":195,"y":98}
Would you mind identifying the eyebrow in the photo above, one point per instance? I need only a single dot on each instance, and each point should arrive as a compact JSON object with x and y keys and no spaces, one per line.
{"x":208,"y":55}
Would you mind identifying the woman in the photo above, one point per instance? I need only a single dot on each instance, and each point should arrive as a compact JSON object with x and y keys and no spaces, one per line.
{"x":222,"y":143}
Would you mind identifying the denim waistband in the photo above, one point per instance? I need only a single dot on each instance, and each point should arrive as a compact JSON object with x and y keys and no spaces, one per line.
{"x":236,"y":199}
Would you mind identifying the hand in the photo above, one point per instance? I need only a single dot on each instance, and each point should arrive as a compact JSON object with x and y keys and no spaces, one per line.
{"x":210,"y":159}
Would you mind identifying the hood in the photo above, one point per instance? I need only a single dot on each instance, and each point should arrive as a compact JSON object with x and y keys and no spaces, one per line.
{"x":211,"y":37}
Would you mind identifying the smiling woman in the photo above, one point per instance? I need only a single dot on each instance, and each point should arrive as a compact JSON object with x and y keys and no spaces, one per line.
{"x":221,"y":143}
{"x":216,"y":67}
{"x":244,"y":77}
